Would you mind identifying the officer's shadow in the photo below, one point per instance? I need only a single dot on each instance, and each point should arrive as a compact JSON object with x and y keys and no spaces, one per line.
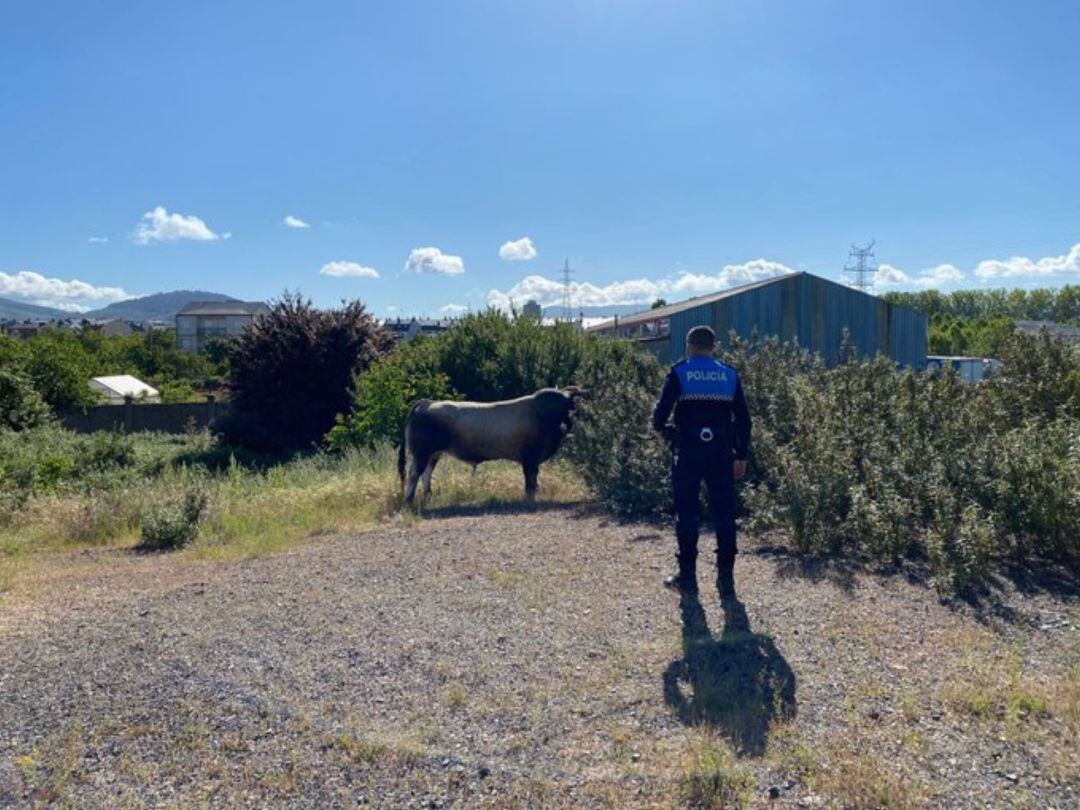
{"x":738,"y":683}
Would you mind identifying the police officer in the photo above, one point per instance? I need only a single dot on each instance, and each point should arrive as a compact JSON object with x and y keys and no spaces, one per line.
{"x":710,"y":439}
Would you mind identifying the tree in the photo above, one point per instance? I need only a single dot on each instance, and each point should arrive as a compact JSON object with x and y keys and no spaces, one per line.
{"x":21,"y":406}
{"x":60,"y":370}
{"x":292,"y":370}
{"x":659,"y":302}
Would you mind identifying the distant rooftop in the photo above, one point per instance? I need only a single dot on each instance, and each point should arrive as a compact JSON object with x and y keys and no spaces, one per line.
{"x":433,"y":322}
{"x":224,"y":308}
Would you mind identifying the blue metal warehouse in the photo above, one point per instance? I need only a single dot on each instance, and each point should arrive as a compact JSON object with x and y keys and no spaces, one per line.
{"x":799,"y":306}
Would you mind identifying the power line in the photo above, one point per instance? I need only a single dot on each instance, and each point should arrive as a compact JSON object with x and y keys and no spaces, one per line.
{"x":567,"y":274}
{"x":862,"y":271}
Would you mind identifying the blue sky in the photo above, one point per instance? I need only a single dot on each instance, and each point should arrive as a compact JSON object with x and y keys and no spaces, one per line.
{"x":663,"y":147}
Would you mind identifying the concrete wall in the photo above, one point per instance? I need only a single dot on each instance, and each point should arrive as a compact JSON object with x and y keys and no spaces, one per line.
{"x":164,"y":418}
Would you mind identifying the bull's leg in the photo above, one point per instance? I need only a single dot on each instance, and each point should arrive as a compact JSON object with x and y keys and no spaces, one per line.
{"x":416,"y":466}
{"x":427,"y":475}
{"x":532,"y":472}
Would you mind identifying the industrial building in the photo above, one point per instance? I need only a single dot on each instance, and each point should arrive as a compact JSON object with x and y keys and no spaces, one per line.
{"x":801,"y":307}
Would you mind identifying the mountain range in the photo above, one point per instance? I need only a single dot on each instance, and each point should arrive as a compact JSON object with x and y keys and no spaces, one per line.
{"x":156,"y":307}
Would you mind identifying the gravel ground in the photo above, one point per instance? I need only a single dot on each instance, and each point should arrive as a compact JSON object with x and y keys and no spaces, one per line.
{"x":522,"y":660}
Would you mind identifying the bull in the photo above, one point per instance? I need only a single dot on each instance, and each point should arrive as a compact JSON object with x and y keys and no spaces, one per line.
{"x":527,"y":430}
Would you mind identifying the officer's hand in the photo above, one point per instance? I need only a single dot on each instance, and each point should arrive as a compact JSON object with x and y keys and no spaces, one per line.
{"x":740,"y":468}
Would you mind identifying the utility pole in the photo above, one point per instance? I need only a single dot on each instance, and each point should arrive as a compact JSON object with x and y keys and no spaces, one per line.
{"x":863,"y":270}
{"x":567,"y":274}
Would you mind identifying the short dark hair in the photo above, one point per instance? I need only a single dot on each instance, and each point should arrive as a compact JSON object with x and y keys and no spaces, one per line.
{"x":701,"y":337}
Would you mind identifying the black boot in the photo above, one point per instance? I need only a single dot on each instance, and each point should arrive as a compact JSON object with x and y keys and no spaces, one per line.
{"x":685,"y":579}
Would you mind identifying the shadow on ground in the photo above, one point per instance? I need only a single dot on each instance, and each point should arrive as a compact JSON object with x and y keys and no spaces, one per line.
{"x":737,"y":683}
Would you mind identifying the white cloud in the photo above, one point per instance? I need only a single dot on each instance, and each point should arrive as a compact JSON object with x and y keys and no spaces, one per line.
{"x":940,"y":276}
{"x":73,"y":295}
{"x":294,"y":222}
{"x":548,"y":291}
{"x":453,"y":309}
{"x":887,"y":276}
{"x":519,"y":250}
{"x":433,"y":260}
{"x":339,"y":269}
{"x":161,"y":226}
{"x":97,"y":239}
{"x":1022,"y":266}
{"x":1017,"y":268}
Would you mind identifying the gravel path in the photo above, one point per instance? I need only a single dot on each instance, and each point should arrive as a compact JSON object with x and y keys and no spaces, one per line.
{"x":519,"y":660}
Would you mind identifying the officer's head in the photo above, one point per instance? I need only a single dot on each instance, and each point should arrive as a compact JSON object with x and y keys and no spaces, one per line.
{"x":701,"y":340}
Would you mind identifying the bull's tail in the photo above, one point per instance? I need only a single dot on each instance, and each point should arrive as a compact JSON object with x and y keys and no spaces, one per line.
{"x":402,"y":441}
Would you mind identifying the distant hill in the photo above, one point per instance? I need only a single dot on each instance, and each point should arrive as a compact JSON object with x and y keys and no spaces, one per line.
{"x":20,"y":311}
{"x":156,"y":307}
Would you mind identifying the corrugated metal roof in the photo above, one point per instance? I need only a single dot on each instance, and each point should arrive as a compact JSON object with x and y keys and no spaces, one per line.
{"x":690,"y":303}
{"x":224,"y":308}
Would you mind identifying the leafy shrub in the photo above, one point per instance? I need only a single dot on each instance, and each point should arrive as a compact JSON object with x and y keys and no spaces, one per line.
{"x":384,"y":393}
{"x":875,"y":464}
{"x":21,"y":406}
{"x":623,"y":462}
{"x":173,"y":525}
{"x":292,"y":371}
{"x":485,"y":356}
{"x":106,"y":449}
{"x":50,"y":459}
{"x":60,"y":370}
{"x":177,"y":391}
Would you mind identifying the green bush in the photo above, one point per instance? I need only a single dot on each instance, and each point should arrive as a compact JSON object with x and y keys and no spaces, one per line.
{"x":623,"y":462}
{"x":177,"y":391}
{"x":21,"y":406}
{"x":60,"y":370}
{"x":384,"y":393}
{"x":173,"y":525}
{"x":484,"y":357}
{"x":49,"y":459}
{"x":877,"y":465}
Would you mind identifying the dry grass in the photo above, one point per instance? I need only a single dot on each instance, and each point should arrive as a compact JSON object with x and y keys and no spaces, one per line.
{"x":254,"y":514}
{"x":855,"y":778}
{"x":989,"y":684}
{"x":713,"y":777}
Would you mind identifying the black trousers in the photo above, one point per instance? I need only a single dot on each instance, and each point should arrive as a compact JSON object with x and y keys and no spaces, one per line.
{"x":696,"y":461}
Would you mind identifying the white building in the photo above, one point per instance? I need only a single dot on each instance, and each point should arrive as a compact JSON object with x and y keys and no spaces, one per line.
{"x":117,"y":388}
